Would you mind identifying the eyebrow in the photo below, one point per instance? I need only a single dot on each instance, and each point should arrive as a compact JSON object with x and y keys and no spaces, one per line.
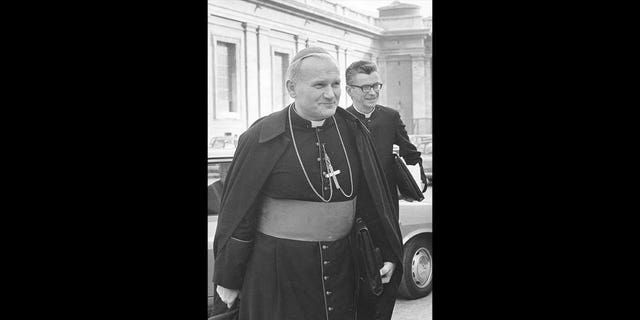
{"x":315,"y":82}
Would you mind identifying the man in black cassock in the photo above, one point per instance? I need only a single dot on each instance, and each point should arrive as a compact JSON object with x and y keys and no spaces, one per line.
{"x":387,"y":129}
{"x":299,"y":179}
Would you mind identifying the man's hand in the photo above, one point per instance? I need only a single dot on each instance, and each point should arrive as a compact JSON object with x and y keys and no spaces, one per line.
{"x":228,"y":296}
{"x":387,"y":271}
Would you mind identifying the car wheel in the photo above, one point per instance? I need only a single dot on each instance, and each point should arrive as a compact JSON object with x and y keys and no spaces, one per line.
{"x":417,"y":263}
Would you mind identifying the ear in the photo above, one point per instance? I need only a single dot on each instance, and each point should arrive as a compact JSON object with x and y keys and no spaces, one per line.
{"x":291,"y":88}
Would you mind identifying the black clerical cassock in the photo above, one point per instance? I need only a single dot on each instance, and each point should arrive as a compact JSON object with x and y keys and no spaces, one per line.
{"x":292,"y":181}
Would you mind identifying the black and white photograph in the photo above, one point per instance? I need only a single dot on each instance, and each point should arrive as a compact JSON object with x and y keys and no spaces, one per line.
{"x":320,"y":172}
{"x":314,"y":121}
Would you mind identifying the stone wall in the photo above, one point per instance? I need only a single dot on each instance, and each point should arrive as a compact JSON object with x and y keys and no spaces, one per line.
{"x":260,"y":30}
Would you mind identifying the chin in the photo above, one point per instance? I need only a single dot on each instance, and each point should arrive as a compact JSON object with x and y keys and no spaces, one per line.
{"x":328,"y":112}
{"x":371,"y":104}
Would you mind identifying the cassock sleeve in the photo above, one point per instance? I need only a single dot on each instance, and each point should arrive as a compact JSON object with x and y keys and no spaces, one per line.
{"x":380,"y":240}
{"x":407,"y":150}
{"x":366,"y":209}
{"x":231,"y":262}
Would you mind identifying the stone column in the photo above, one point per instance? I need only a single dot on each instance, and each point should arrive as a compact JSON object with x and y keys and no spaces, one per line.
{"x":264,"y":72}
{"x":343,"y":68}
{"x":299,"y":42}
{"x":382,"y":72}
{"x":418,"y":91}
{"x":428,"y":95}
{"x":210,"y":84}
{"x":252,"y":81}
{"x":341,"y":59}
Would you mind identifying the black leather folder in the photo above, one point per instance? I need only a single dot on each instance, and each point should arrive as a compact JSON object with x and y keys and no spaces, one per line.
{"x":406,"y":184}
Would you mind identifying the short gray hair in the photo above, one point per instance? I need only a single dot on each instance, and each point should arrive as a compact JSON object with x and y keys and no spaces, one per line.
{"x":293,"y":71}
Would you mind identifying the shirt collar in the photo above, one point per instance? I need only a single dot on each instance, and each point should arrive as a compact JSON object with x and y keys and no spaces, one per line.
{"x":299,"y":122}
{"x":366,"y":115}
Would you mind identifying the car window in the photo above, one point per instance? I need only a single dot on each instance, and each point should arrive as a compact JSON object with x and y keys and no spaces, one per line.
{"x":226,"y":143}
{"x":217,"y":144}
{"x":216,"y":175}
{"x":217,"y":171}
{"x":229,"y":145}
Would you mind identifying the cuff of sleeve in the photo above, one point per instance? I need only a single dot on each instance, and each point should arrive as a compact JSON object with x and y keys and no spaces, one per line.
{"x":380,"y":241}
{"x":231,"y":263}
{"x":387,"y":254}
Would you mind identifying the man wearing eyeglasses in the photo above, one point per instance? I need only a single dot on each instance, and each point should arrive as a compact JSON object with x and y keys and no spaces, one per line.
{"x":387,"y":129}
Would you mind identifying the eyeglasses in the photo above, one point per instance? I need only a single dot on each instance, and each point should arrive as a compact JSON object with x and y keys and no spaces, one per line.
{"x":367,"y":87}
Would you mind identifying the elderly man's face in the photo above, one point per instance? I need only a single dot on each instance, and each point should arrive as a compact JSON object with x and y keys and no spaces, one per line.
{"x":317,"y":89}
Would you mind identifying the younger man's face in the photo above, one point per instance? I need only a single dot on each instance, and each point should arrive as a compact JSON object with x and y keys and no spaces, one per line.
{"x":364,"y":100}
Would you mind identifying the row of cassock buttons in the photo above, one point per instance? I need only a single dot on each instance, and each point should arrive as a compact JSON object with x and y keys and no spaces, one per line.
{"x":328,"y":293}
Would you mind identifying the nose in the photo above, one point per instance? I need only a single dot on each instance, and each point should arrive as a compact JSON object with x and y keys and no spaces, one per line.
{"x":331,"y":93}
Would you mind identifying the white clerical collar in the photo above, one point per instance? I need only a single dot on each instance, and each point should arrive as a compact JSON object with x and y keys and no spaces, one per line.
{"x":366,"y":115}
{"x":317,"y":123}
{"x":314,"y":123}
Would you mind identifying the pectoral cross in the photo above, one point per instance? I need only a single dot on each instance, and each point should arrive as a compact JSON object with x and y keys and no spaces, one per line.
{"x":330,"y":172}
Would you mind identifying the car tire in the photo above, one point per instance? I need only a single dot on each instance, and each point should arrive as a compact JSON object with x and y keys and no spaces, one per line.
{"x":417,"y":263}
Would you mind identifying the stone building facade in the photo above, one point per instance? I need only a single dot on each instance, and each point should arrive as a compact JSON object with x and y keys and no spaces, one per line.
{"x":251,"y":42}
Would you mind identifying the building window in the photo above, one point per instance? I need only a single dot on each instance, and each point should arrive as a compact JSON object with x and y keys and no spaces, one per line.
{"x":280,"y":94}
{"x":226,"y":75}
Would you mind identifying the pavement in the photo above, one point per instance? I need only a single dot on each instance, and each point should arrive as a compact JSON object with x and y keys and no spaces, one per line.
{"x":419,"y":309}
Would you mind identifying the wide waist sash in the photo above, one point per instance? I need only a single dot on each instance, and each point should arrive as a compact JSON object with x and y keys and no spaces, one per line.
{"x":306,"y":220}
